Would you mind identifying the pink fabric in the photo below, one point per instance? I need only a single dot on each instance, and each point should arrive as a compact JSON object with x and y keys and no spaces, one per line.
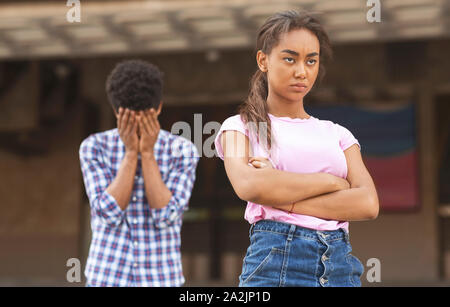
{"x":302,"y":146}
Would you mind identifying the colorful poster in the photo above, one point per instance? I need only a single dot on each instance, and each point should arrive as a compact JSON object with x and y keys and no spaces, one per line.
{"x":388,"y":147}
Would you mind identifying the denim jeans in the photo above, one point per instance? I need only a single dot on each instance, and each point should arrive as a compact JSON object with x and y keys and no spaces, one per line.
{"x":285,"y":255}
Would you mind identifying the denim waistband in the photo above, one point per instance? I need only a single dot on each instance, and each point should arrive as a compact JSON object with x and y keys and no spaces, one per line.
{"x":298,"y":231}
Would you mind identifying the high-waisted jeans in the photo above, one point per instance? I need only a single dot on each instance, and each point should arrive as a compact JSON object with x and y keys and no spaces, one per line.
{"x":285,"y":255}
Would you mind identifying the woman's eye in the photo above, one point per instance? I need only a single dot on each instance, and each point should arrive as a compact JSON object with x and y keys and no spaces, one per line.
{"x":289,"y":60}
{"x":311,"y":62}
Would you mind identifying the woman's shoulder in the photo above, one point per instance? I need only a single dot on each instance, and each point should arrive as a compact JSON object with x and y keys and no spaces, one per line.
{"x":329,"y":124}
{"x":234,"y":121}
{"x":234,"y":118}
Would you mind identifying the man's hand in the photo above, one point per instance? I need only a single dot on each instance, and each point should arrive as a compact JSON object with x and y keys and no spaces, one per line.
{"x":157,"y":193}
{"x":149,"y":128}
{"x":127,"y":126}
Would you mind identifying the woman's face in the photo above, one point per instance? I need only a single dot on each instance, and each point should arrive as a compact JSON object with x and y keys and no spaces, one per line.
{"x":292,"y":66}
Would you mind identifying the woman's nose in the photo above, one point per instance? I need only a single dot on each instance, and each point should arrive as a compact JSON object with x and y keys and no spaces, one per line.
{"x":300,"y":72}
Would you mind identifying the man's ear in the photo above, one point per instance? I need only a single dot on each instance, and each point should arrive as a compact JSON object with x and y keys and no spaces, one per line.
{"x":159,"y":108}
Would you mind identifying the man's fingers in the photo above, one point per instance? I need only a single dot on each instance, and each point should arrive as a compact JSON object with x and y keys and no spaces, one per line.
{"x":130,"y":122}
{"x":126,"y":121}
{"x":151,"y":126}
{"x":134,"y":124}
{"x":142,"y":122}
{"x":125,"y":118}
{"x":119,"y":118}
{"x":141,"y":126}
{"x":146,"y":124}
{"x":154,"y":119}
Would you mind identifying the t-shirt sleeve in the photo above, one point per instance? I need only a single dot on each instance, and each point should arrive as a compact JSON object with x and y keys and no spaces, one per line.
{"x":346,"y":138}
{"x":231,"y":123}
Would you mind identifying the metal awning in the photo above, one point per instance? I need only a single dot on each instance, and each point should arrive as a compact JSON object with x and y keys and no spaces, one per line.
{"x":41,"y":29}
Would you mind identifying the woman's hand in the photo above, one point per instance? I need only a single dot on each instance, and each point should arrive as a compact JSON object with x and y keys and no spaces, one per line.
{"x":260,"y":162}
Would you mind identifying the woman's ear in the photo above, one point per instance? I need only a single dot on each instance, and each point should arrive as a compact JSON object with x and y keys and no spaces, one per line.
{"x":261,"y":59}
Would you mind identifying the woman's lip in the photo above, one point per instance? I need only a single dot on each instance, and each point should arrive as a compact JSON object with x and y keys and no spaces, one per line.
{"x":299,"y":88}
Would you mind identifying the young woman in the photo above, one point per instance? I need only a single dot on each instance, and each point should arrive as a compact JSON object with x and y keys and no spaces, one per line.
{"x":303,"y":178}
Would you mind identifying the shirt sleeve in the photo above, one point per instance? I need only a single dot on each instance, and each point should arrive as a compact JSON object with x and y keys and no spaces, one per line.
{"x":346,"y":138}
{"x":97,"y":177}
{"x":180,"y":182}
{"x":231,"y":123}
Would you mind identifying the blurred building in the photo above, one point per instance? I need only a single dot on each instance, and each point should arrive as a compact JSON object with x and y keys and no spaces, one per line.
{"x":389,"y":83}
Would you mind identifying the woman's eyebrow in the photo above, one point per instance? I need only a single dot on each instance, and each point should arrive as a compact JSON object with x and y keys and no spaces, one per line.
{"x":312,"y":54}
{"x":297,"y":54}
{"x":290,"y":52}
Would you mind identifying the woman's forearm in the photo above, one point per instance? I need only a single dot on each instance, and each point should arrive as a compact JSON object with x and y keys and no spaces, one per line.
{"x":354,"y":204}
{"x":273,"y":187}
{"x":268,"y":186}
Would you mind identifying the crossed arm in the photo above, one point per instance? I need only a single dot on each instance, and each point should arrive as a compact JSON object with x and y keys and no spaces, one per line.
{"x":319,"y":194}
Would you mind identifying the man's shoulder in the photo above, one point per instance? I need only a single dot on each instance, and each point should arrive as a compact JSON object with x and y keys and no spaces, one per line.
{"x":177,"y":143}
{"x":99,"y":140}
{"x":170,"y":138}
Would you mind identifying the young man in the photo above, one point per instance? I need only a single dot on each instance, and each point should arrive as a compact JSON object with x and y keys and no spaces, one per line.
{"x":138,"y":179}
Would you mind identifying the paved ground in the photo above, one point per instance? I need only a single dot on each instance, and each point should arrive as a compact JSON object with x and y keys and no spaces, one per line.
{"x":211,"y":283}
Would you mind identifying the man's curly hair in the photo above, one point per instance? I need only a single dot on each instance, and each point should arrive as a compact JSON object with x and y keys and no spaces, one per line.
{"x":134,"y":84}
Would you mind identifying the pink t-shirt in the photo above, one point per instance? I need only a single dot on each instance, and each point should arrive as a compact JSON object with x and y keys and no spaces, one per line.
{"x":301,"y":146}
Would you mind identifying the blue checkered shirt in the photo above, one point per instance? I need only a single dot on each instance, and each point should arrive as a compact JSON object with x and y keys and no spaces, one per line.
{"x":138,"y":246}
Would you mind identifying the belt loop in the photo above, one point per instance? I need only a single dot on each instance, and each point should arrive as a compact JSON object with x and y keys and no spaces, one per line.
{"x":291,"y":232}
{"x":250,"y":232}
{"x":346,"y":235}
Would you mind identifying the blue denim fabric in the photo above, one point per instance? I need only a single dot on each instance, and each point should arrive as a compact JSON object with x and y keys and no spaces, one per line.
{"x":285,"y":255}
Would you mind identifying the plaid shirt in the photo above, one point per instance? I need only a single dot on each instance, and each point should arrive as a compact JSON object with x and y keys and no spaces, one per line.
{"x":138,"y":246}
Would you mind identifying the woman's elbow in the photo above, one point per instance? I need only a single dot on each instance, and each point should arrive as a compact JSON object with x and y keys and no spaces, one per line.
{"x":373,"y":207}
{"x":246,"y":190}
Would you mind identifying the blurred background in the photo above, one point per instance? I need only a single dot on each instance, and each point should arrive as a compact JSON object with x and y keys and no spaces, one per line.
{"x":389,"y":84}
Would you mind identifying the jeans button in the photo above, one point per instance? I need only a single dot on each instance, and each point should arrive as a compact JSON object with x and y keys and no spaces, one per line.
{"x":324,"y":258}
{"x":323,"y":281}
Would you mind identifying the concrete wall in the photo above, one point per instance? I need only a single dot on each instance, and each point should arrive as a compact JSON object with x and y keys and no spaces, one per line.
{"x":39,"y":214}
